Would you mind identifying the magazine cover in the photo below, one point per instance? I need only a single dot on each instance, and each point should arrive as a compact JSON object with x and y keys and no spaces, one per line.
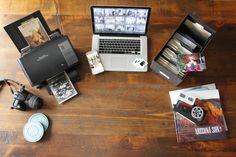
{"x":213,"y":125}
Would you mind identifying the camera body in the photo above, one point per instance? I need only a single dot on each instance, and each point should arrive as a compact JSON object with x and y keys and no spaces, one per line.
{"x":22,"y":99}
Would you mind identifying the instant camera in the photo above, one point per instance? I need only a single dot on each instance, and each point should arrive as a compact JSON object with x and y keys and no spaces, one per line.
{"x":44,"y":53}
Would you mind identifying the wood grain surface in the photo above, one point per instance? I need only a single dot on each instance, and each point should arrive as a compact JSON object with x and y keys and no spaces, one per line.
{"x":119,"y":114}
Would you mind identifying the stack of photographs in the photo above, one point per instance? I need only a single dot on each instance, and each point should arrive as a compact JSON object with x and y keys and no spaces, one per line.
{"x":182,"y":53}
{"x":33,"y":32}
{"x":62,"y":88}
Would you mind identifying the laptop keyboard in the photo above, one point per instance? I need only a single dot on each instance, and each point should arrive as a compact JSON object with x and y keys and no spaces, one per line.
{"x":119,"y":46}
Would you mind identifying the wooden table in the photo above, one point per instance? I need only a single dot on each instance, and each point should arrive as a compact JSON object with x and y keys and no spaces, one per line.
{"x":119,"y":113}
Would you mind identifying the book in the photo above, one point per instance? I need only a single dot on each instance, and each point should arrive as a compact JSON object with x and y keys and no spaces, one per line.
{"x":213,"y":125}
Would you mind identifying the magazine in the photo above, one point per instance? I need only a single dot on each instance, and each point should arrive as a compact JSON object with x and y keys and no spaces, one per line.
{"x":213,"y":125}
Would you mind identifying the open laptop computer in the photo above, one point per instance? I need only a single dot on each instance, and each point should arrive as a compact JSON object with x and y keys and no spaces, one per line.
{"x":119,"y":36}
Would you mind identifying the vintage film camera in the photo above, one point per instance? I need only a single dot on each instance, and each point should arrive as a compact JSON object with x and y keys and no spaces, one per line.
{"x":22,"y":99}
{"x":186,"y":107}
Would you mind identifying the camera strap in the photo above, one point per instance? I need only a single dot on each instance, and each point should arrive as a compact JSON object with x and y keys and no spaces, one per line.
{"x":12,"y":91}
{"x":8,"y":82}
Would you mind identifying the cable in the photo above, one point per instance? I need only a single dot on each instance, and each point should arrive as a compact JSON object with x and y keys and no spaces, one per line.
{"x":58,"y":16}
{"x":1,"y":83}
{"x":19,"y":84}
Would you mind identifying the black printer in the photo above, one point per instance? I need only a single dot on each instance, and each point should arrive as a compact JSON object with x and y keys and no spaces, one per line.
{"x":47,"y":60}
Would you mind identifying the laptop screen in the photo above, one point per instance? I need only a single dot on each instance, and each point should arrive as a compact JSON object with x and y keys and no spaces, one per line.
{"x":120,"y":20}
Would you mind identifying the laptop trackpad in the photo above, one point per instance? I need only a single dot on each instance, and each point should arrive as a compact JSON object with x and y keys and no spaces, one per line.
{"x":118,"y":62}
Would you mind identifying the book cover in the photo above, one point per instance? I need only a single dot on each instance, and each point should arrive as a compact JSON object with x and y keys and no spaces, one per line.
{"x":213,"y":125}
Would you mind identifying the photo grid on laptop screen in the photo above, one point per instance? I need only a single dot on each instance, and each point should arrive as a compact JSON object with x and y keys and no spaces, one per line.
{"x":120,"y":20}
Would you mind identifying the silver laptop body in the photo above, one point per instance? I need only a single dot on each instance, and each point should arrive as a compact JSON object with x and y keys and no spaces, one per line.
{"x":119,"y":36}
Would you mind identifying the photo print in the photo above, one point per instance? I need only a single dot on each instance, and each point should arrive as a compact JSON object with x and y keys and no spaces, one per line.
{"x":109,"y":28}
{"x":34,"y":32}
{"x":120,"y":20}
{"x":120,"y":12}
{"x":130,"y":20}
{"x":99,"y":27}
{"x":141,"y":13}
{"x":141,"y":20}
{"x":130,"y":28}
{"x":98,"y":12}
{"x":95,"y":62}
{"x":130,"y":12}
{"x":110,"y":20}
{"x":62,"y":88}
{"x":140,"y":28}
{"x":120,"y":28}
{"x":110,"y":12}
{"x":98,"y":19}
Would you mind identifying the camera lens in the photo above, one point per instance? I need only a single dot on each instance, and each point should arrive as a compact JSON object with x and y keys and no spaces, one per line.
{"x":35,"y":102}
